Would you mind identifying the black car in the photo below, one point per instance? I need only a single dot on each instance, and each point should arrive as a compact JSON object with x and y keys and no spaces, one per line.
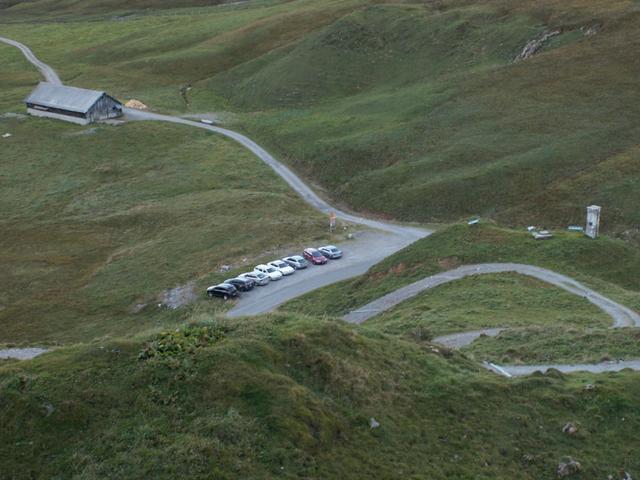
{"x":224,"y":290}
{"x":242,"y":284}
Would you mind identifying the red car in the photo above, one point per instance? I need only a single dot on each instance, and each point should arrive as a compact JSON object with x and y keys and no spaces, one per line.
{"x":314,"y":256}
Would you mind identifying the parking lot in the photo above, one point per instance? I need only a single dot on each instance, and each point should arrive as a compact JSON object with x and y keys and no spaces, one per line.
{"x":359,"y":255}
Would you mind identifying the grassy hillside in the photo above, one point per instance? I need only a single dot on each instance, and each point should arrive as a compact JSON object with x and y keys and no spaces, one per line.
{"x":560,"y":343}
{"x":47,"y":9}
{"x":97,"y":222}
{"x":490,"y":301}
{"x":428,"y":110}
{"x":409,"y":109}
{"x":292,"y":397}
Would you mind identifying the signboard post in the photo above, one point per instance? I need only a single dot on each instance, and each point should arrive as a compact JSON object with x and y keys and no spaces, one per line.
{"x":332,"y":221}
{"x":593,"y":221}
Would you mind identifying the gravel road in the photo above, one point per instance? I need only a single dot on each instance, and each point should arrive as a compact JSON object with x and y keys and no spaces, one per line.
{"x":47,"y":72}
{"x":459,"y":340}
{"x":21,"y":353}
{"x":523,"y":370}
{"x":621,"y":315}
{"x":295,"y":182}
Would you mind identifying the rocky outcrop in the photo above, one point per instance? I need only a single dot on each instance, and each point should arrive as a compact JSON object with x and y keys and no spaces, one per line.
{"x":534,"y":46}
{"x":568,"y":467}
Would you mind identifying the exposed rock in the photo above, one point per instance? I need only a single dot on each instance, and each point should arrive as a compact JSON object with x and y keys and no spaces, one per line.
{"x":568,"y":467}
{"x":373,"y":423}
{"x":589,"y":387}
{"x":625,"y":476}
{"x":590,"y":31}
{"x":528,"y":458}
{"x":138,"y":307}
{"x":179,"y":296}
{"x":48,"y":409}
{"x":534,"y":46}
{"x":570,"y":429}
{"x":225,"y":268}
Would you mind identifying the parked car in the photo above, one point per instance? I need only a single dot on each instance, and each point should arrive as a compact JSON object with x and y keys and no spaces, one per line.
{"x":273,"y":272}
{"x":260,"y":278}
{"x":314,"y":256}
{"x":331,"y":251}
{"x":297,"y":261}
{"x":224,"y":290}
{"x":283,"y":267}
{"x":242,"y":284}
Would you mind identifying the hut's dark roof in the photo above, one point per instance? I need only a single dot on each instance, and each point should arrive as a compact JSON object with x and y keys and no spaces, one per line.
{"x":64,"y":98}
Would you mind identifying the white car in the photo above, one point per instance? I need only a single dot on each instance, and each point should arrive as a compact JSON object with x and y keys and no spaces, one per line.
{"x":272,"y":272}
{"x":283,"y":267}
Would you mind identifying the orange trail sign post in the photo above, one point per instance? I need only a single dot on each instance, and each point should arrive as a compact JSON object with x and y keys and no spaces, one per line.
{"x":332,"y":221}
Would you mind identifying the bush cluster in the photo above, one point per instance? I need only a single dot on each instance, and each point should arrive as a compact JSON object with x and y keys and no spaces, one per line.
{"x":182,"y":341}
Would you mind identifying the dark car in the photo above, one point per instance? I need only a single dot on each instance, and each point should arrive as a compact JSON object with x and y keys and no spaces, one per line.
{"x":314,"y":256}
{"x":224,"y":290}
{"x":241,"y":284}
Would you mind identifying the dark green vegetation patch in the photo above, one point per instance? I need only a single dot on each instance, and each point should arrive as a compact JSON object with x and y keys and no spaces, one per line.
{"x":293,"y":397}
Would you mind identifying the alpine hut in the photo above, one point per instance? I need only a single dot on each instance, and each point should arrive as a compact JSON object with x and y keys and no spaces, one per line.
{"x":77,"y":105}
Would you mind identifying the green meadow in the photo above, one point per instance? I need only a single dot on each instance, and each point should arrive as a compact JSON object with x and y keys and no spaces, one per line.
{"x":408,"y":109}
{"x":401,"y":109}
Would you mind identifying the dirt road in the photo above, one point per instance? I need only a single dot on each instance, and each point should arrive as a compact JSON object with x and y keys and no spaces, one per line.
{"x":621,"y":315}
{"x":47,"y":72}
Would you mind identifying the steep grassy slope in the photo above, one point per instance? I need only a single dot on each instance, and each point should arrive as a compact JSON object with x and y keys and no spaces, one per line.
{"x":291,"y":397}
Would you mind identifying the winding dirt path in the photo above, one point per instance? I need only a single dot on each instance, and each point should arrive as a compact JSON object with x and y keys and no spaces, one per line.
{"x":47,"y":72}
{"x":621,"y":315}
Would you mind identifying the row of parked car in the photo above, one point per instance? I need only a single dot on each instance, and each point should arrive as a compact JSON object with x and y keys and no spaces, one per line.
{"x":273,"y":271}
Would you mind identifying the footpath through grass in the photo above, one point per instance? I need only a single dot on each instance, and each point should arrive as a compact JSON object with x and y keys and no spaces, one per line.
{"x":292,"y":397}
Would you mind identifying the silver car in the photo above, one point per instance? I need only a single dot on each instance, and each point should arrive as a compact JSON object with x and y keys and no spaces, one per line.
{"x":297,"y":261}
{"x":260,"y":278}
{"x":331,"y":252}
